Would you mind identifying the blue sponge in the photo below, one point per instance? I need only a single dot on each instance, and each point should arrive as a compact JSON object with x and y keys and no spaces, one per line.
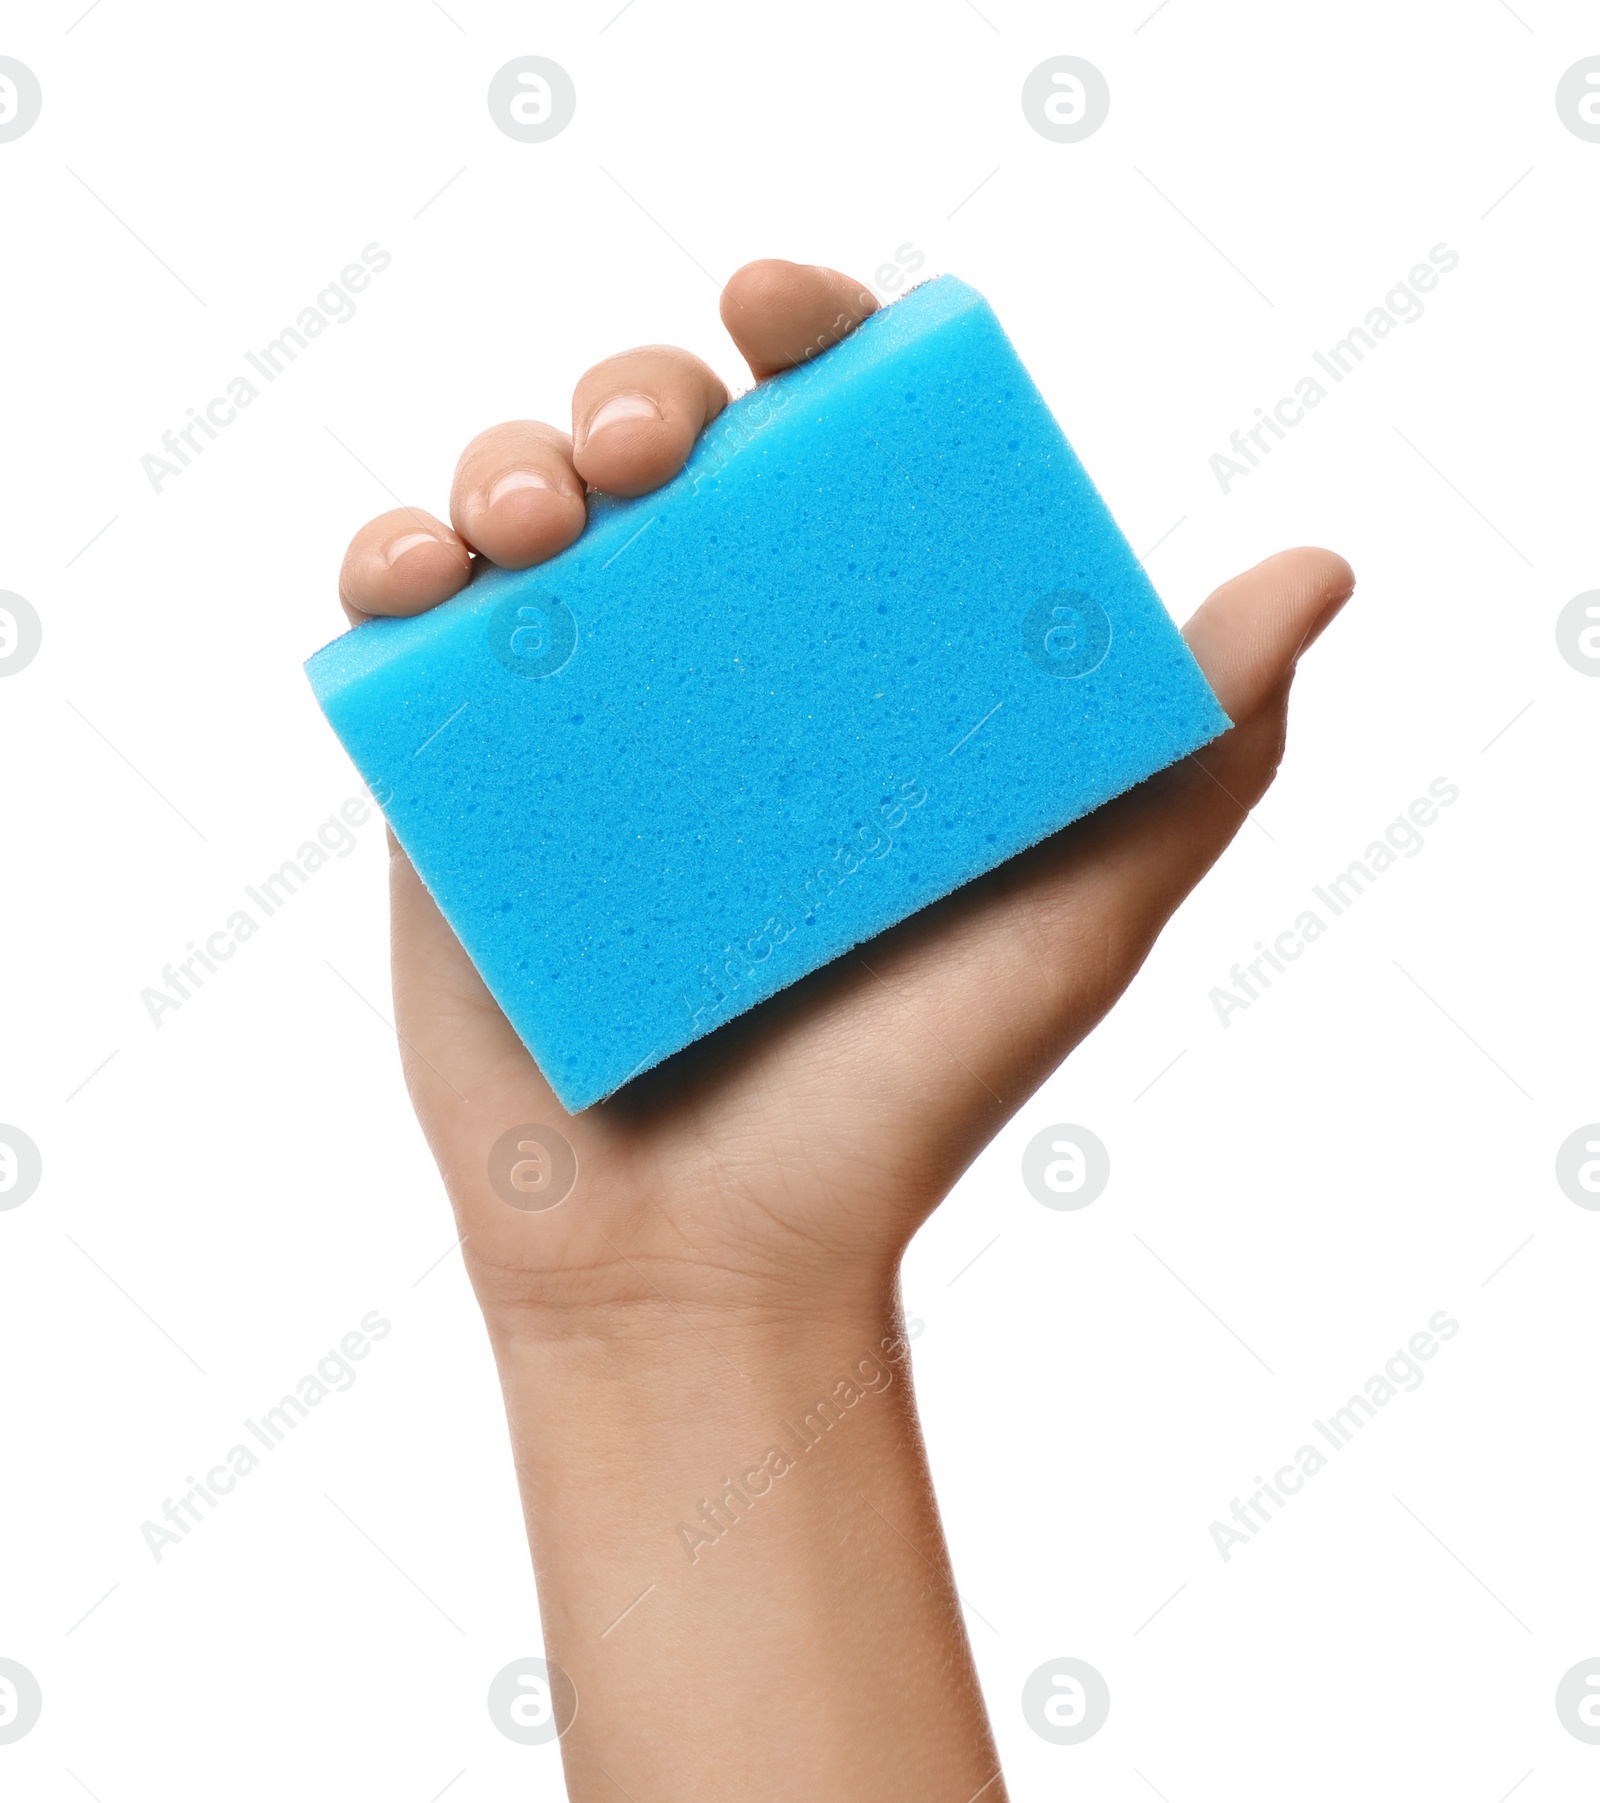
{"x":879,"y":635}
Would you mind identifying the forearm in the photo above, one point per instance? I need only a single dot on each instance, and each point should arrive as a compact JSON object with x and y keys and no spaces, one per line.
{"x":740,"y":1562}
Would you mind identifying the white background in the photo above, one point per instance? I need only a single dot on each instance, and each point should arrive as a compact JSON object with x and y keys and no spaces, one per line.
{"x":1362,"y":1147}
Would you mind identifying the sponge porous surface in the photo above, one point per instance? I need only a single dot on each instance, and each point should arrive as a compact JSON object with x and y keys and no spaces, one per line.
{"x":879,"y":635}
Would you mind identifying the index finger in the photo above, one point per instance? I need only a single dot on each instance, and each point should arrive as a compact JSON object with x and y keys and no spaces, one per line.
{"x":780,"y":314}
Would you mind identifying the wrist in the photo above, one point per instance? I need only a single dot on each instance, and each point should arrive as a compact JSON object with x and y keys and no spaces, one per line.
{"x":716,"y":1499}
{"x":669,"y":1430}
{"x":606,"y":1367}
{"x":634,"y":1309}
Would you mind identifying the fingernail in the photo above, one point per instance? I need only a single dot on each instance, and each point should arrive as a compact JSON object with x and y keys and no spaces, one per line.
{"x":619,"y":408}
{"x":513,"y":481}
{"x":408,"y":541}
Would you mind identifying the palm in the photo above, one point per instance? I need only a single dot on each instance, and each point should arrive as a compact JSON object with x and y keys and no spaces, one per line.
{"x":798,"y":1145}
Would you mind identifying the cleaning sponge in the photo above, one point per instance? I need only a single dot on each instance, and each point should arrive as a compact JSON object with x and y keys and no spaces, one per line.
{"x":879,"y":635}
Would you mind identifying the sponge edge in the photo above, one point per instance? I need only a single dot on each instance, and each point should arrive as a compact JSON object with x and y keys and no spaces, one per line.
{"x":879,"y":635}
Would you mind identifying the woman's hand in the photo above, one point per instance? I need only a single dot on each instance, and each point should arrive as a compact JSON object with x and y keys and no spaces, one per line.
{"x":731,"y":1248}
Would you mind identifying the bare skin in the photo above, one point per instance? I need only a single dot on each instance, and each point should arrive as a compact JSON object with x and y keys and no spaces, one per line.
{"x":732,"y":1248}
